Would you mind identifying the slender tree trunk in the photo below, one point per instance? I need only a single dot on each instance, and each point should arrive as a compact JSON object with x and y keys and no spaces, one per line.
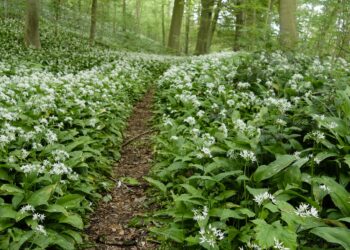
{"x":175,"y":27}
{"x":93,"y":22}
{"x":138,"y":15}
{"x":114,"y":7}
{"x":268,"y":20}
{"x":5,"y":7}
{"x":214,"y":22}
{"x":163,"y":24}
{"x":204,"y":27}
{"x":238,"y":25}
{"x":31,"y":34}
{"x":57,"y":7}
{"x":288,"y":24}
{"x":124,"y":15}
{"x":187,"y":26}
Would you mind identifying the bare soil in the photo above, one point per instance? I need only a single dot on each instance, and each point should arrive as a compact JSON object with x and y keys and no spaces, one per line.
{"x":110,"y":227}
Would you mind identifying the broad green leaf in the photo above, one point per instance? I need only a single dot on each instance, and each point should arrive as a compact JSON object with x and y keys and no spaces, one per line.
{"x":172,"y":233}
{"x":70,"y":201}
{"x":267,"y":233}
{"x":10,"y":189}
{"x":7,"y":211}
{"x":55,"y":208}
{"x":156,"y":184}
{"x":337,"y":235}
{"x":224,"y":214}
{"x":267,"y":171}
{"x":73,"y":220}
{"x":4,"y":175}
{"x":42,"y":196}
{"x":340,"y":196}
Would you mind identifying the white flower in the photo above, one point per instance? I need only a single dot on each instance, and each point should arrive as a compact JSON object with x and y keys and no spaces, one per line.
{"x":210,"y":235}
{"x":207,"y":152}
{"x":200,"y":113}
{"x":27,"y":208}
{"x":200,"y":215}
{"x":40,"y":229}
{"x":230,"y":102}
{"x":248,"y":155}
{"x":279,"y":245}
{"x":174,"y":138}
{"x":39,"y":217}
{"x":305,"y":210}
{"x":260,"y":198}
{"x":332,"y":125}
{"x":190,"y":120}
{"x":325,"y":188}
{"x":223,"y":129}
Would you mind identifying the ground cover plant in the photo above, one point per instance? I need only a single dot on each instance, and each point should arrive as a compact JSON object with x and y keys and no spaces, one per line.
{"x":253,"y":153}
{"x":61,"y":120}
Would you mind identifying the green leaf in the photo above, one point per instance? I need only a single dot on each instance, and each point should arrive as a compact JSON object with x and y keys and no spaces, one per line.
{"x":267,"y":171}
{"x":7,"y":211}
{"x":70,"y":201}
{"x":130,"y":181}
{"x":9,"y":189}
{"x":224,"y":214}
{"x":42,"y":196}
{"x":4,"y":175}
{"x":156,"y":184}
{"x":172,"y":233}
{"x":340,"y":196}
{"x":347,"y":160}
{"x":73,"y":220}
{"x":55,"y":208}
{"x":337,"y":235}
{"x":267,"y":233}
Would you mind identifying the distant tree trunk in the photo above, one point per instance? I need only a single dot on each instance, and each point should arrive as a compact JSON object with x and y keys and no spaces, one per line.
{"x":93,"y":22}
{"x":32,"y":35}
{"x":57,"y":7}
{"x":175,"y":27}
{"x":138,"y":15}
{"x":204,"y":27}
{"x":268,"y":20}
{"x":238,"y":25}
{"x":288,"y":24}
{"x":163,"y":24}
{"x":214,"y":22}
{"x":114,"y":7}
{"x":5,"y":6}
{"x":187,"y":26}
{"x":124,"y":15}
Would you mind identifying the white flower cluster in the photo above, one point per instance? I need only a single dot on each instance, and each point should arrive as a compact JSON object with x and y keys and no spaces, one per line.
{"x":36,"y":217}
{"x":200,"y":215}
{"x":248,"y":155}
{"x":305,"y":210}
{"x":210,"y":235}
{"x":279,"y":245}
{"x":260,"y":198}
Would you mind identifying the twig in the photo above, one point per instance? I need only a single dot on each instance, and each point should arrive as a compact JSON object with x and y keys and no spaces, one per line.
{"x":136,"y":137}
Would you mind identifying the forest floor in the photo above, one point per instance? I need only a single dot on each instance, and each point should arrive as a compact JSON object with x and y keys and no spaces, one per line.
{"x":110,"y":227}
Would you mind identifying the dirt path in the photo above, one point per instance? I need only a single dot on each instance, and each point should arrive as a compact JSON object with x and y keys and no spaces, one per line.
{"x":109,"y":227}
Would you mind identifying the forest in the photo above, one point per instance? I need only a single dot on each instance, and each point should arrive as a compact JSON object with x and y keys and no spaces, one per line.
{"x":174,"y":124}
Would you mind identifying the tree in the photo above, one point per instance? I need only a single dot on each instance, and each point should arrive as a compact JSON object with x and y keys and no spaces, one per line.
{"x":204,"y":27}
{"x":31,"y":34}
{"x":187,"y":26}
{"x":288,"y":27}
{"x":124,"y":15}
{"x":214,"y":22}
{"x":93,"y":22}
{"x":175,"y":26}
{"x":239,"y":14}
{"x":163,"y":23}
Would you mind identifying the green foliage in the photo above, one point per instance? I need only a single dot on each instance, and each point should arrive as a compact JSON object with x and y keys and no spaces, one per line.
{"x":253,"y":152}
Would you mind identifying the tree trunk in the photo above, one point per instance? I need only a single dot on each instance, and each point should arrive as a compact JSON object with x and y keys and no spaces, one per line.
{"x":214,"y":22}
{"x":124,"y":15}
{"x":187,"y":27}
{"x":32,"y":35}
{"x":5,"y":6}
{"x":175,"y":27}
{"x":138,"y":15}
{"x":288,"y":24}
{"x":204,"y":27}
{"x":114,"y":7}
{"x":57,"y":7}
{"x":238,"y":25}
{"x":163,"y":24}
{"x":268,"y":20}
{"x":93,"y":22}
